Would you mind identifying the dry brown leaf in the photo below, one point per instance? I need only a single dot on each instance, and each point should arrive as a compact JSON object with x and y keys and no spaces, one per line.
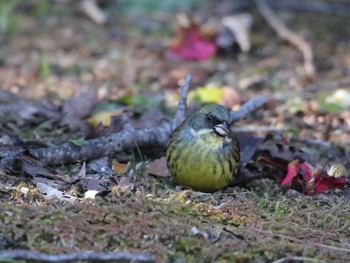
{"x":126,"y":185}
{"x":158,"y":167}
{"x":77,"y":108}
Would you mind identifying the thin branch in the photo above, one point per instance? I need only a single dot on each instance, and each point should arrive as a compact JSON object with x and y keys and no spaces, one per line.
{"x":248,"y":107}
{"x":181,"y":108}
{"x":126,"y":139}
{"x":91,"y":256}
{"x":312,"y":141}
{"x":257,"y":128}
{"x":93,"y":11}
{"x":288,"y":35}
{"x":288,"y":259}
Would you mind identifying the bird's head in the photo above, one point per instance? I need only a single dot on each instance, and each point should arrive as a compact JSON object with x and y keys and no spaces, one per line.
{"x":211,"y":117}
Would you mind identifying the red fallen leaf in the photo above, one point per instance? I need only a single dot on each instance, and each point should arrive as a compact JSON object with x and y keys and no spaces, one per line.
{"x":312,"y":180}
{"x":191,"y":45}
{"x":292,"y":172}
{"x":323,"y":183}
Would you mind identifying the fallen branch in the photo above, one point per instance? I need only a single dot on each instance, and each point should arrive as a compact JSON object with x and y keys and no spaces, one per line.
{"x":288,"y":35}
{"x":128,"y":138}
{"x":303,"y":259}
{"x":247,"y":108}
{"x":312,"y":141}
{"x":125,"y":140}
{"x":80,"y":256}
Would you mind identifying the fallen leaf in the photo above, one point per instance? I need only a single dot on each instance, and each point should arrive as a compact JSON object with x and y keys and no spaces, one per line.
{"x":34,"y":167}
{"x":78,"y":108}
{"x":292,"y":172}
{"x":335,"y":170}
{"x":212,"y":93}
{"x":283,"y":154}
{"x":158,"y":167}
{"x":77,"y":142}
{"x":126,"y":185}
{"x":97,"y":184}
{"x":335,"y":102}
{"x":90,"y":194}
{"x":120,"y":168}
{"x":82,"y":172}
{"x":51,"y":192}
{"x":102,"y":117}
{"x":312,"y":180}
{"x":207,"y":94}
{"x":248,"y":144}
{"x":101,"y":166}
{"x":190,"y":44}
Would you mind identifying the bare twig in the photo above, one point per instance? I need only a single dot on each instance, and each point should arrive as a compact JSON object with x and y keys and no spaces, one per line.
{"x":248,"y":107}
{"x":288,"y":35}
{"x":91,"y":256}
{"x":92,"y":10}
{"x":181,"y":108}
{"x":312,"y":141}
{"x":257,"y":128}
{"x":288,"y":259}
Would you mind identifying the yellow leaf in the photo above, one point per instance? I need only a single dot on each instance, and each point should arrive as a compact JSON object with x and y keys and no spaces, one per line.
{"x":102,"y":117}
{"x":119,"y":168}
{"x":207,"y":94}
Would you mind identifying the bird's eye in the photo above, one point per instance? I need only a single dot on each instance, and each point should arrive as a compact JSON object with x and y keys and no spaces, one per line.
{"x":210,"y":117}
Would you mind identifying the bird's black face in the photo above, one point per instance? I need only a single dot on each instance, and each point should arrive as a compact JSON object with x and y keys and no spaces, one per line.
{"x":214,"y":117}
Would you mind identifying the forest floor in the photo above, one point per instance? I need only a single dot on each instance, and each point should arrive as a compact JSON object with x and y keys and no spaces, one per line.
{"x":52,"y":57}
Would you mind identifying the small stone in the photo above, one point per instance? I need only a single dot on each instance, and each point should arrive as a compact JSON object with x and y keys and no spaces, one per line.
{"x":293,"y":194}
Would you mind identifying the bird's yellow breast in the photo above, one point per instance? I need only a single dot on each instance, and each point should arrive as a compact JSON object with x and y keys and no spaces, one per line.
{"x":204,"y":163}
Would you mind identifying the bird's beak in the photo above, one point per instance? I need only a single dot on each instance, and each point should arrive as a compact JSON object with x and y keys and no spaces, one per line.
{"x":222,"y":129}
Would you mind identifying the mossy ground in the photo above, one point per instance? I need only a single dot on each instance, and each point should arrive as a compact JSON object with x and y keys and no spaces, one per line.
{"x":255,"y":224}
{"x":53,"y":51}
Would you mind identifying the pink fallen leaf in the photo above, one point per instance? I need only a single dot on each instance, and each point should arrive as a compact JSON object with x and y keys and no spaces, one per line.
{"x":294,"y":169}
{"x":312,"y":180}
{"x":189,"y":44}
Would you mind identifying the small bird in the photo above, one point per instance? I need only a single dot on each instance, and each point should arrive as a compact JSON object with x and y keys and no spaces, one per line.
{"x":203,"y":153}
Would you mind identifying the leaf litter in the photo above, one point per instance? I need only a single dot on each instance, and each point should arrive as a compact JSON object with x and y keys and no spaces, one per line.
{"x":124,"y":202}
